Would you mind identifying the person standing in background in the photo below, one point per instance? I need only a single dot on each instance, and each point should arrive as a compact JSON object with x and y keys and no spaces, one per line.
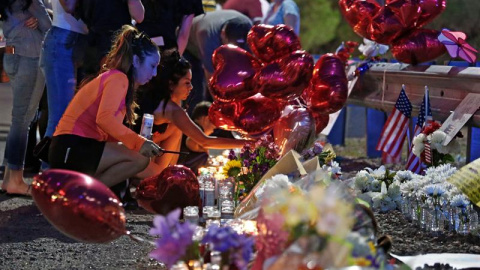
{"x":210,"y":31}
{"x":165,"y":18}
{"x":284,"y":12}
{"x":63,"y":52}
{"x":21,"y":59}
{"x":103,"y":19}
{"x":249,"y":8}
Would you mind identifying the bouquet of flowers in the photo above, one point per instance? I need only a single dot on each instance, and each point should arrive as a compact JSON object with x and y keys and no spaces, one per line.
{"x":428,"y":145}
{"x":299,"y":228}
{"x":179,"y":243}
{"x":254,"y":160}
{"x":380,"y":187}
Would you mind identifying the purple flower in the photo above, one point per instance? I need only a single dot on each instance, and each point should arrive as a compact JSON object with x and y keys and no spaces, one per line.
{"x":231,"y":155}
{"x":222,"y":238}
{"x":317,"y":148}
{"x":225,"y":239}
{"x":175,"y":237}
{"x":246,"y":163}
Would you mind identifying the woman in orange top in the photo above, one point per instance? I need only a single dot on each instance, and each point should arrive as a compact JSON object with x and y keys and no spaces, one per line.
{"x":90,"y":136}
{"x":162,"y":97}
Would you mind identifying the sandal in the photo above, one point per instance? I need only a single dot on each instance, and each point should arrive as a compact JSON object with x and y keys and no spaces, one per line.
{"x":27,"y":193}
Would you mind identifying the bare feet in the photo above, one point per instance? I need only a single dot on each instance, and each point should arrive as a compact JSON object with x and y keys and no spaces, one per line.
{"x":13,"y":183}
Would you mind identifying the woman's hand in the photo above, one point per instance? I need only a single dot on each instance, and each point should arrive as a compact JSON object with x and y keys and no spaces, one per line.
{"x":150,"y":149}
{"x":32,"y":23}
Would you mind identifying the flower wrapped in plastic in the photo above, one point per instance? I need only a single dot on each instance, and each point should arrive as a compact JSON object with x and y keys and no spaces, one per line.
{"x":317,"y":221}
{"x":435,"y":138}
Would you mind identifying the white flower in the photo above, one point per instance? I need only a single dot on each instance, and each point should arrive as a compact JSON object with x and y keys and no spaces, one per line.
{"x":362,"y":180}
{"x":403,"y":176}
{"x":375,"y":185}
{"x":438,"y":137}
{"x":459,"y":201}
{"x":434,"y":190}
{"x":273,"y":185}
{"x":371,"y":48}
{"x":383,"y":203}
{"x":394,"y":190}
{"x":335,"y":168}
{"x":419,"y":139}
{"x":378,"y":173}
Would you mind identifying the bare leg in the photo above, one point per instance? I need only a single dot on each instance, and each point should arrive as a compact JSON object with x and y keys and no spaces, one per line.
{"x":13,"y":182}
{"x":119,"y":163}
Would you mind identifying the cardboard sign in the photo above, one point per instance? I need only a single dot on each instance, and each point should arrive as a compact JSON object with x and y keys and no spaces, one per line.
{"x":467,"y":179}
{"x":460,"y":116}
{"x":334,"y":116}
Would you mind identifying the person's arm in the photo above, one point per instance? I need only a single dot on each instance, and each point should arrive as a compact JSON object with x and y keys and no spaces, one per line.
{"x":292,"y":21}
{"x":180,"y":118}
{"x":194,"y":146}
{"x":115,"y":89}
{"x":136,"y":10}
{"x":38,"y":10}
{"x":184,"y":32}
{"x":69,"y":5}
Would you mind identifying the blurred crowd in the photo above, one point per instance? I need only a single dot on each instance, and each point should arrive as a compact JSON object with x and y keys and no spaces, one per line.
{"x":84,"y":72}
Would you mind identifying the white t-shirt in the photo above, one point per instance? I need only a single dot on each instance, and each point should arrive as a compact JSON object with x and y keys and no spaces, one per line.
{"x":64,"y":20}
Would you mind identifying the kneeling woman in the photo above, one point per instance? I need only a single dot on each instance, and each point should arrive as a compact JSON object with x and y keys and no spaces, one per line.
{"x":162,"y":97}
{"x":90,"y":136}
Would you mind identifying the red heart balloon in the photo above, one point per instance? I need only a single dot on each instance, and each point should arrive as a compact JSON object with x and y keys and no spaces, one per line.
{"x":175,"y":187}
{"x":430,"y":10}
{"x":328,"y":88}
{"x":385,"y":26}
{"x":269,"y":43}
{"x":257,"y":114}
{"x":321,"y":121}
{"x":285,"y":78}
{"x":359,"y":14}
{"x":222,"y":115}
{"x":421,"y":45}
{"x":234,"y":71}
{"x":407,"y":11}
{"x":294,"y":130}
{"x":79,"y":206}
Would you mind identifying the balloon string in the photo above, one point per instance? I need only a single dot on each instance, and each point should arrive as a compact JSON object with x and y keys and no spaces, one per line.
{"x":139,"y":239}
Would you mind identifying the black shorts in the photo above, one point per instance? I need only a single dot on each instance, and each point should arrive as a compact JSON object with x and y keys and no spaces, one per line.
{"x":75,"y":153}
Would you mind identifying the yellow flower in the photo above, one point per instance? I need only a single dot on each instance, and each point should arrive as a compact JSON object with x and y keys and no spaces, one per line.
{"x":362,"y":262}
{"x":232,"y":168}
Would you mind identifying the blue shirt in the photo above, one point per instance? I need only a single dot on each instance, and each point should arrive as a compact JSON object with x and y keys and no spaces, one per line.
{"x":27,"y":41}
{"x":285,"y":8}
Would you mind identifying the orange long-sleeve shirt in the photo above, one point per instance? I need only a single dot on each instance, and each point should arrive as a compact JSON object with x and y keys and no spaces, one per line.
{"x":98,"y":109}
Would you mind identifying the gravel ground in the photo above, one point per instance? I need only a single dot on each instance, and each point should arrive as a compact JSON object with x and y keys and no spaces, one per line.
{"x":28,"y":241}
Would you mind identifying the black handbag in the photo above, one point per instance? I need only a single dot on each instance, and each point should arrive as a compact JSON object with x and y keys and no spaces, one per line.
{"x":41,"y":149}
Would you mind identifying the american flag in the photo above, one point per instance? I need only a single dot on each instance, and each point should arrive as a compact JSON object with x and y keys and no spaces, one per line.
{"x":395,"y":129}
{"x":414,"y":163}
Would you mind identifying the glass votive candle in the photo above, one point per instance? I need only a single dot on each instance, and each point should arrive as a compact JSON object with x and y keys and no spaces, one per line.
{"x":206,"y":211}
{"x":214,"y":214}
{"x":190,"y":214}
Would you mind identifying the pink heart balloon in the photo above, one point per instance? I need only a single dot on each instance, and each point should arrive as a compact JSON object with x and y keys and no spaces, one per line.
{"x":257,"y":114}
{"x":421,"y":45}
{"x":285,"y":78}
{"x":234,"y":71}
{"x":359,"y":14}
{"x":294,"y":130}
{"x":222,"y":115}
{"x":430,"y":10}
{"x":175,"y":187}
{"x":385,"y":26}
{"x":79,"y":206}
{"x":328,"y":88}
{"x":269,"y":43}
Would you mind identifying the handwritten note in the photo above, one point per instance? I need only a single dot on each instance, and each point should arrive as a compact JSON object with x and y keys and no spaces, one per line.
{"x":460,"y":116}
{"x":467,"y":179}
